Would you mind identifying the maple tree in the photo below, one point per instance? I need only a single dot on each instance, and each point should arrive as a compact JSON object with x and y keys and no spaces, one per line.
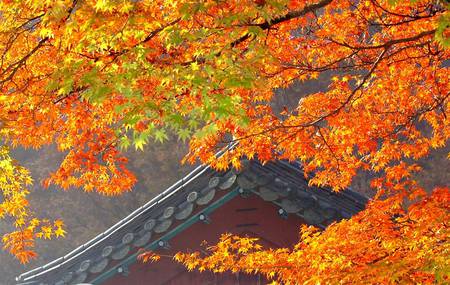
{"x":13,"y":182}
{"x":95,"y":77}
{"x":411,"y":248}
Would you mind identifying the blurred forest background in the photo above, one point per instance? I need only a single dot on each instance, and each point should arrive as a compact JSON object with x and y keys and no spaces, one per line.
{"x":158,"y":167}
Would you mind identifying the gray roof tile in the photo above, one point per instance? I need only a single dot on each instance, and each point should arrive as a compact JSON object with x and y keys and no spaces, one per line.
{"x":278,"y":182}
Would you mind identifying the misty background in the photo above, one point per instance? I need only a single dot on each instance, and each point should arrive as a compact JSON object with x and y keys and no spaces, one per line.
{"x":88,"y":214}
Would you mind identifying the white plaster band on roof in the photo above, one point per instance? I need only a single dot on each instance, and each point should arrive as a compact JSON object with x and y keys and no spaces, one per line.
{"x":177,"y":186}
{"x":131,"y":217}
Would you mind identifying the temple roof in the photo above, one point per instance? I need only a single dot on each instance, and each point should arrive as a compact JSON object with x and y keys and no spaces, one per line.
{"x":189,"y":201}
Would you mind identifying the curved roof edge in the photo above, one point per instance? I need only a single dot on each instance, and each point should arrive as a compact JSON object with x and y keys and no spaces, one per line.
{"x":351,"y":202}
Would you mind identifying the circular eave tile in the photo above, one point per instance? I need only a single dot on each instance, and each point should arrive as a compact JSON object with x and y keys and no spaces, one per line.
{"x":213,"y":182}
{"x":127,"y":238}
{"x":267,"y":195}
{"x":98,"y":267}
{"x":168,"y":212}
{"x":205,"y":199}
{"x":185,"y":212}
{"x":228,"y":182}
{"x":107,"y":250}
{"x":245,"y":183}
{"x":191,"y":197}
{"x":261,"y":179}
{"x":163,"y":226}
{"x":290,"y":206}
{"x":121,"y":253}
{"x":84,"y":265}
{"x":143,"y":240}
{"x":149,"y":224}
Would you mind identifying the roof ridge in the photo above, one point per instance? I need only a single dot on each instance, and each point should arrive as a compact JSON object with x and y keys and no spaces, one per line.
{"x":347,"y":202}
{"x":128,"y":219}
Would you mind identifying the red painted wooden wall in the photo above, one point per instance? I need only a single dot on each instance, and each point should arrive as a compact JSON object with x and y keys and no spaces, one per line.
{"x":245,"y":216}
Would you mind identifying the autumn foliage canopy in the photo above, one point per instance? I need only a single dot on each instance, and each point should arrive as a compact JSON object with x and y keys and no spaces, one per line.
{"x":94,"y":77}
